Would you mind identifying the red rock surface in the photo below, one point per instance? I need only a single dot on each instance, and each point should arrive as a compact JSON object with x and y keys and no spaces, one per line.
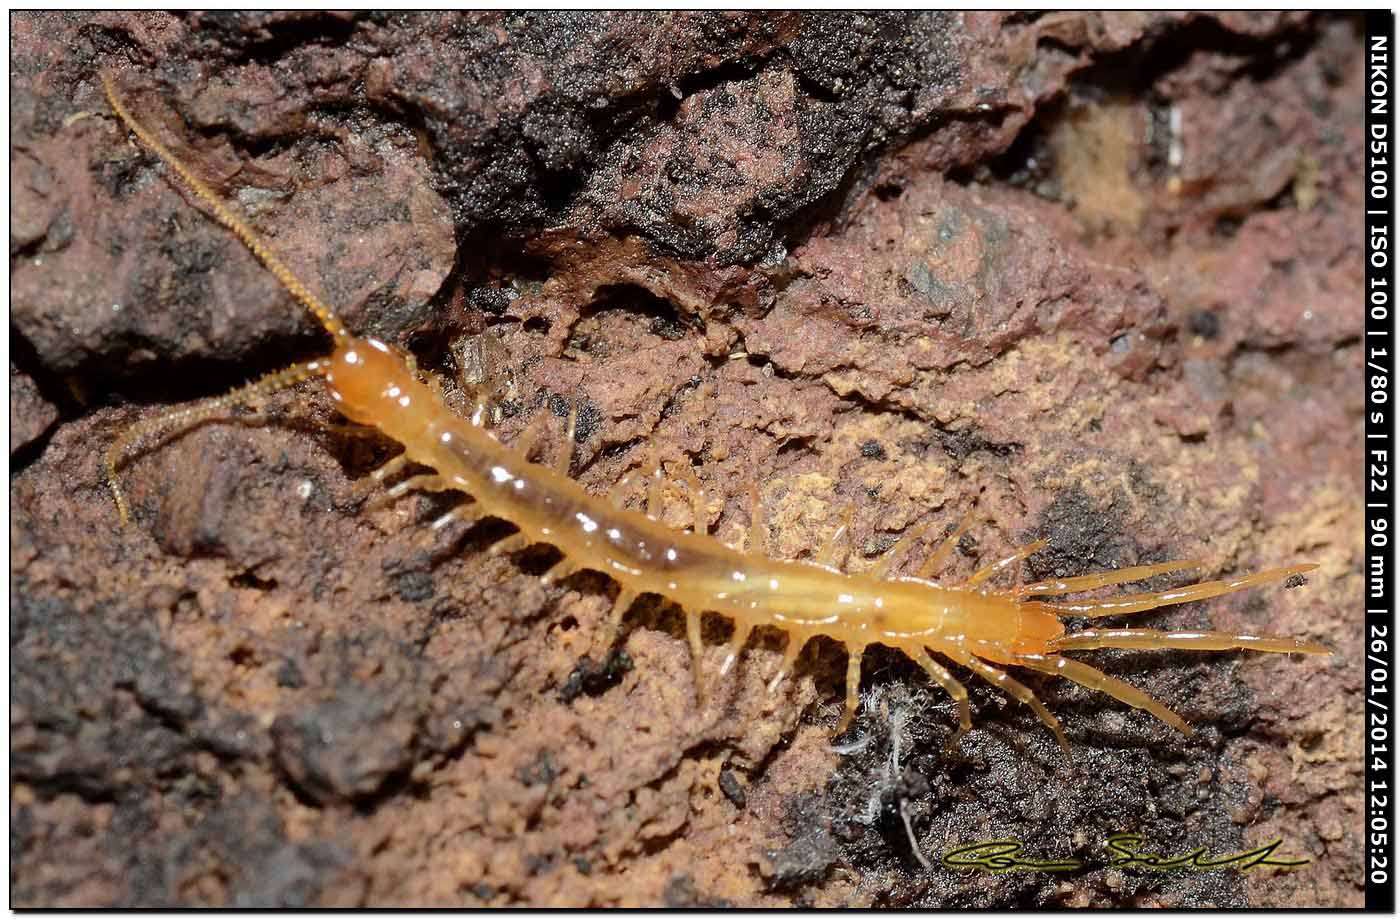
{"x":30,"y":413}
{"x":1102,"y":270}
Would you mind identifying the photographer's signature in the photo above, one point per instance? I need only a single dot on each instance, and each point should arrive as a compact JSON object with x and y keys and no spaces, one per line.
{"x":1003,"y":855}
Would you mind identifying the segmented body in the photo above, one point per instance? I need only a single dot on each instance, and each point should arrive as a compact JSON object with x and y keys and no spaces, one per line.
{"x":970,"y":623}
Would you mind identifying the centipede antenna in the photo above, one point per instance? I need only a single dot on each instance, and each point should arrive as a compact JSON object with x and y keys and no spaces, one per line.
{"x":190,"y":415}
{"x":225,"y":215}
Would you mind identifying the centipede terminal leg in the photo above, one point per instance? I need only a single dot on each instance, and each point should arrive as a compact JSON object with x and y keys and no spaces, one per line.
{"x":1158,"y":640}
{"x":1141,"y":603}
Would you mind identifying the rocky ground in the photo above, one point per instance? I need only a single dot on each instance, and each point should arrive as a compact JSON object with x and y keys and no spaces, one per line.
{"x":1102,"y":270}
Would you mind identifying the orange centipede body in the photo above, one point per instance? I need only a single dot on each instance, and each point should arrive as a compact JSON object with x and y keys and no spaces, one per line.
{"x":973,"y":624}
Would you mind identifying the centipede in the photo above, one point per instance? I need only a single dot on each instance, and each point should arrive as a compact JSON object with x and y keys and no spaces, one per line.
{"x":971,"y":623}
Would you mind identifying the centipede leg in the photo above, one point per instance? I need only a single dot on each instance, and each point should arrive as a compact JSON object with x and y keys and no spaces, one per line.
{"x":855,"y":653}
{"x":512,"y":543}
{"x":831,"y":549}
{"x":621,"y":603}
{"x":796,"y":642}
{"x":350,"y":429}
{"x":655,"y":488}
{"x":1138,"y":603}
{"x":565,"y":459}
{"x":1011,"y":687}
{"x":1158,"y":640}
{"x":996,"y":567}
{"x":952,"y":687}
{"x":697,"y":653}
{"x":931,"y":564}
{"x":691,"y":481}
{"x":755,"y":542}
{"x":469,"y":513}
{"x":882,"y":567}
{"x":558,"y":571}
{"x":377,"y":477}
{"x":392,"y":467}
{"x":527,"y":439}
{"x":618,"y":494}
{"x":427,"y":482}
{"x":1103,"y":578}
{"x":1098,"y":681}
{"x":736,"y":645}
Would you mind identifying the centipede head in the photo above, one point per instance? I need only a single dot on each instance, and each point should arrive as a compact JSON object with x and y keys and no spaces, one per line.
{"x":372,"y":382}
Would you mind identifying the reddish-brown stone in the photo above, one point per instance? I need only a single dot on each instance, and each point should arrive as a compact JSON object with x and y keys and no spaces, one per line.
{"x":1100,"y":269}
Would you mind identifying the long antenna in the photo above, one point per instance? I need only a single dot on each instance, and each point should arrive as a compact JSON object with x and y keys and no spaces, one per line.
{"x":324,"y":314}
